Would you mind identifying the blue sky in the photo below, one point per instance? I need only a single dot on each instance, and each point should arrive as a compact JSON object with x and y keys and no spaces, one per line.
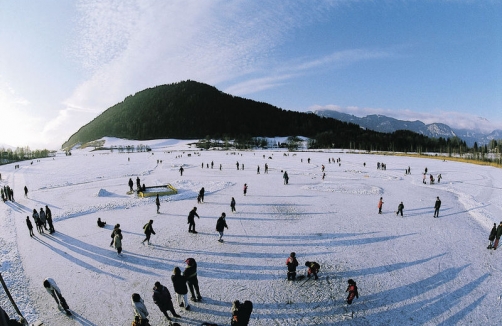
{"x":62,"y":63}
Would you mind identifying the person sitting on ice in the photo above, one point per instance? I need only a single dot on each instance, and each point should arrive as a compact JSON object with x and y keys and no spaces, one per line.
{"x":100,"y":223}
{"x":313,"y":269}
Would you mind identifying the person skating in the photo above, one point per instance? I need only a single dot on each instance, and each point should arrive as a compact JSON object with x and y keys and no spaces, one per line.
{"x":313,"y":269}
{"x":25,"y":191}
{"x":232,"y":205}
{"x":180,"y":287}
{"x":437,"y":206}
{"x":157,"y":202}
{"x":101,"y":224}
{"x":48,"y":215}
{"x":115,"y":228}
{"x":52,"y":288}
{"x":221,"y":224}
{"x":352,"y":289}
{"x":139,"y":309}
{"x":191,"y":220}
{"x":292,"y":263}
{"x":117,"y":242}
{"x":30,"y":226}
{"x":400,"y":208}
{"x":497,"y":236}
{"x":493,"y":233}
{"x":148,"y":230}
{"x":190,"y":274}
{"x":380,"y":205}
{"x":162,"y":298}
{"x":245,"y":190}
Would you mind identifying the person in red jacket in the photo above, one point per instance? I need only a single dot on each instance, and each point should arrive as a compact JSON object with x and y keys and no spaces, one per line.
{"x":313,"y":269}
{"x":292,"y":263}
{"x":352,"y":289}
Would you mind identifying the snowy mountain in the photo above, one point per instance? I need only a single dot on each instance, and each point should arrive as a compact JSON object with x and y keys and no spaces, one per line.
{"x":383,"y":123}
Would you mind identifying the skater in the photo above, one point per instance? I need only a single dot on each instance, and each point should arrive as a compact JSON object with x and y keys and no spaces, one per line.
{"x":352,"y":289}
{"x":43,"y":218}
{"x":38,"y":223}
{"x":232,"y":205}
{"x":25,"y":192}
{"x":380,"y":204}
{"x":148,"y":230}
{"x":115,"y":228}
{"x":180,"y":287}
{"x":241,"y":313}
{"x":140,"y":309}
{"x":191,"y":220}
{"x":181,"y":171}
{"x":51,"y":287}
{"x":313,"y":269}
{"x":201,"y":194}
{"x":221,"y":224}
{"x":48,"y":215}
{"x":437,"y":206}
{"x":162,"y":298}
{"x":117,"y":242}
{"x":245,"y":189}
{"x":497,"y":236}
{"x":266,"y":168}
{"x":400,"y":208}
{"x":237,"y":164}
{"x":493,"y":233}
{"x":157,"y":202}
{"x":258,"y":170}
{"x":285,"y":177}
{"x":131,"y":184}
{"x":292,"y":263}
{"x":30,"y":226}
{"x":190,"y":274}
{"x":101,"y":224}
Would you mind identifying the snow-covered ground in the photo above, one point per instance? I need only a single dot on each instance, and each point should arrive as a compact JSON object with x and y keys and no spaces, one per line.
{"x":415,"y":270}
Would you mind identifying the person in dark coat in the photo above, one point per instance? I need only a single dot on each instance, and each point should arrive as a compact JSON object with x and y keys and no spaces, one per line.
{"x":101,"y":224}
{"x":131,"y":184}
{"x":232,"y":205}
{"x":292,"y":263}
{"x":157,"y":202}
{"x":138,"y":183}
{"x":221,"y":224}
{"x":30,"y":226}
{"x":400,"y":208}
{"x":148,"y":230}
{"x":493,"y":233}
{"x":115,"y":228}
{"x":191,"y":220}
{"x":38,"y":223}
{"x":181,"y":171}
{"x":285,"y":177}
{"x":25,"y":191}
{"x":201,"y":194}
{"x":7,"y":321}
{"x":352,"y":289}
{"x":162,"y":298}
{"x":497,"y":236}
{"x":180,"y":287}
{"x":43,"y":218}
{"x":190,"y":274}
{"x":245,"y":189}
{"x":313,"y":269}
{"x":437,"y":206}
{"x":48,"y":215}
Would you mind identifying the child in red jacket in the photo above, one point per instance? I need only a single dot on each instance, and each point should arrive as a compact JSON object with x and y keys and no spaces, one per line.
{"x":352,"y":289}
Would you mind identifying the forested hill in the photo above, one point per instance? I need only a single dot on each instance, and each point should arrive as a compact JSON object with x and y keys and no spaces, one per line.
{"x":193,"y":110}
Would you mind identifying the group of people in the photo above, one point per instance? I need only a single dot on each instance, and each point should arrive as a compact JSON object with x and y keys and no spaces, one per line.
{"x":7,"y":193}
{"x":400,"y":207}
{"x":42,"y":220}
{"x":494,"y":237}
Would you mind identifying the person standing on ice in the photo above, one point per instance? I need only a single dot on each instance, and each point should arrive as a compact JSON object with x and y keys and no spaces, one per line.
{"x":25,"y":191}
{"x":201,"y":194}
{"x":221,"y":224}
{"x":232,"y":205}
{"x":52,"y":288}
{"x":162,"y":298}
{"x":131,"y":184}
{"x":437,"y":206}
{"x":139,"y":309}
{"x":190,"y":274}
{"x":191,"y":220}
{"x":400,"y":208}
{"x":181,"y":171}
{"x":292,"y":263}
{"x":180,"y":287}
{"x":157,"y":202}
{"x":493,"y":233}
{"x":117,"y":242}
{"x":245,"y":189}
{"x":497,"y":236}
{"x":115,"y":228}
{"x":148,"y":230}
{"x":285,"y":177}
{"x":38,"y":223}
{"x":43,"y":218}
{"x":380,"y":205}
{"x":48,"y":214}
{"x":352,"y":289}
{"x":30,"y":226}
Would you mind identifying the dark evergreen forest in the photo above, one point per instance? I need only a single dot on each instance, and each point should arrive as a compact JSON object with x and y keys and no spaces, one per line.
{"x":193,"y":110}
